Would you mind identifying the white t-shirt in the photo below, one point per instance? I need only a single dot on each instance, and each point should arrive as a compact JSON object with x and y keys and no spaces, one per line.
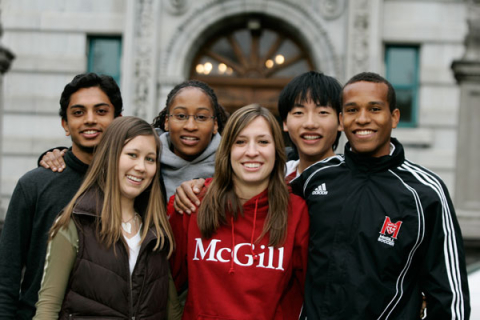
{"x":133,"y":248}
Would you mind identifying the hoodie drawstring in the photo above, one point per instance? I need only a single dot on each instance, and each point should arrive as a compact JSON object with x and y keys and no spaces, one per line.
{"x":254,"y":255}
{"x":232,"y":270}
{"x":232,"y":253}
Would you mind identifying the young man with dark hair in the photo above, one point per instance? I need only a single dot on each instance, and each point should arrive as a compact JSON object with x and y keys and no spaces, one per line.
{"x":88,"y":105}
{"x":383,"y":230}
{"x":309,"y":107}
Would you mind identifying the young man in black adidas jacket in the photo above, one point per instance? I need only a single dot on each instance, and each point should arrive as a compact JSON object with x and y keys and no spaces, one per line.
{"x":383,"y":229}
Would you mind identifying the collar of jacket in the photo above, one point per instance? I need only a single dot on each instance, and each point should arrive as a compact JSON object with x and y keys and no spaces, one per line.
{"x":73,"y":162}
{"x":90,"y":204}
{"x":362,"y":163}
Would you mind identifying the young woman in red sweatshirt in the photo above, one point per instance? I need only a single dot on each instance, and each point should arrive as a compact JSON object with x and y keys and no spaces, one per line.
{"x":244,"y":254}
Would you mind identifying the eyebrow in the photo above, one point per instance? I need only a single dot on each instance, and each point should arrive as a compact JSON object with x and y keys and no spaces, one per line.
{"x":102,"y":104}
{"x":138,"y":150}
{"x":299,"y":105}
{"x":198,"y":109}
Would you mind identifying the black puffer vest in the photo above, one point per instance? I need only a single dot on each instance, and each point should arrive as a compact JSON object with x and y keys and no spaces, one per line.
{"x":100,"y":285}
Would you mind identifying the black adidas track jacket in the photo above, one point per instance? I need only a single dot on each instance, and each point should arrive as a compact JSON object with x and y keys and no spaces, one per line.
{"x":382,"y":231}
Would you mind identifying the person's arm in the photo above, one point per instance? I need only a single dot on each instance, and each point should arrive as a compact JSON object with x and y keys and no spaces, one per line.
{"x":186,"y":198}
{"x":294,"y":297}
{"x":444,"y":278}
{"x":61,"y":255}
{"x":53,"y":159}
{"x":14,"y":246}
{"x":178,"y":260}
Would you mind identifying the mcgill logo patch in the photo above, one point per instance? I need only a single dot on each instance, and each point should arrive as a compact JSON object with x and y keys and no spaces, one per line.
{"x":389,"y":231}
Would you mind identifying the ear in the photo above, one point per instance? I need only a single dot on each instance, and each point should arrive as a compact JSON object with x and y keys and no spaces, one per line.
{"x":65,"y":127}
{"x":395,"y":118}
{"x":340,"y":124}
{"x":215,"y":126}
{"x":285,"y":128}
{"x":166,"y":123}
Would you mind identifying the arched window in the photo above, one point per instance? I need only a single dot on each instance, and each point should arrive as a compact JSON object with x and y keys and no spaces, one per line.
{"x":250,"y":60}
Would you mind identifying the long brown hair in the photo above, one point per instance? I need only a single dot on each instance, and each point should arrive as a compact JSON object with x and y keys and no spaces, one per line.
{"x":221,"y":197}
{"x":102,"y":175}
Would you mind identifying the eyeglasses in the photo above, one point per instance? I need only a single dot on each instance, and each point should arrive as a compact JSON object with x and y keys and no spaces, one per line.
{"x":182,"y":117}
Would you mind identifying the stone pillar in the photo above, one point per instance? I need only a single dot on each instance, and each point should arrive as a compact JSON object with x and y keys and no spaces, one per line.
{"x":467,"y":174}
{"x":6,"y":58}
{"x":140,"y":61}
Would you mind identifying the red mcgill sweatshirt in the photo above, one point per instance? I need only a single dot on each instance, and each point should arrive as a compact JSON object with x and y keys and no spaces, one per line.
{"x":234,"y":285}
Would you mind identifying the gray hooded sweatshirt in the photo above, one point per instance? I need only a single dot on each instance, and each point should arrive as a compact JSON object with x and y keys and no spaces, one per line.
{"x":176,"y":170}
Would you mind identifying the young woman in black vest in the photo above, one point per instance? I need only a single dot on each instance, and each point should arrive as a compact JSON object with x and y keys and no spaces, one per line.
{"x":108,"y":250}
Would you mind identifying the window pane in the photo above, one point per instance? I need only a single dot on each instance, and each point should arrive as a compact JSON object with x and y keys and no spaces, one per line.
{"x":105,"y":56}
{"x":401,"y":68}
{"x":404,"y":104}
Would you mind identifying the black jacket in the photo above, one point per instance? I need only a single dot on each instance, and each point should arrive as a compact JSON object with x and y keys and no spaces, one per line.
{"x":100,"y":284}
{"x":382,"y":231}
{"x":37,"y":199}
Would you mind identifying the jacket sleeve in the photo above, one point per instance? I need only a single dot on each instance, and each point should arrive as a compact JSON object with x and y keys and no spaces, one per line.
{"x":178,"y":260}
{"x":59,"y":261}
{"x":444,"y":279}
{"x":14,"y":246}
{"x":294,"y":297}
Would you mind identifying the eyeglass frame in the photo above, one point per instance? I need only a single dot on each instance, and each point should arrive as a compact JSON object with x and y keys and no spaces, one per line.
{"x":187,"y":116}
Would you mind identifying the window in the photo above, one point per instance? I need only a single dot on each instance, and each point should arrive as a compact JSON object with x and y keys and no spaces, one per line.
{"x":250,"y":59}
{"x":104,"y":55}
{"x":402,"y":72}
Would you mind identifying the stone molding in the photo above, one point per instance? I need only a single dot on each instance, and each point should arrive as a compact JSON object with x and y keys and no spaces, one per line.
{"x":359,"y":37}
{"x":331,"y":9}
{"x":144,"y":57}
{"x":176,"y":7}
{"x":185,"y":40}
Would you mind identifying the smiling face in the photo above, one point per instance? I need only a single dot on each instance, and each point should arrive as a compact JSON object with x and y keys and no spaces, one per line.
{"x":136,"y":167}
{"x":190,"y":138}
{"x":366,"y":118}
{"x":88,"y":114}
{"x":253,"y":157}
{"x":313,"y":129}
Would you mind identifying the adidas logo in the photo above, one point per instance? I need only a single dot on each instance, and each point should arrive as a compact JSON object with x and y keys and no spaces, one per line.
{"x":320,"y":190}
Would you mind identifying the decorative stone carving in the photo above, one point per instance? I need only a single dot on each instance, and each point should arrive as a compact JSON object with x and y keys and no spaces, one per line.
{"x":332,"y":9}
{"x":360,"y":29}
{"x":144,"y":45}
{"x":176,"y":7}
{"x":472,"y":40}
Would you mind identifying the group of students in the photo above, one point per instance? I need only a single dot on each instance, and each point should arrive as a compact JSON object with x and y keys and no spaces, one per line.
{"x":374,"y":235}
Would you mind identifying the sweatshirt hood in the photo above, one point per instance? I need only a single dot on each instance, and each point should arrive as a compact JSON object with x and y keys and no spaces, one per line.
{"x":170,"y":159}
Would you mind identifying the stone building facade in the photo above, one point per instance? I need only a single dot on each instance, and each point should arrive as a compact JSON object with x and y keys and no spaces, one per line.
{"x":162,"y":41}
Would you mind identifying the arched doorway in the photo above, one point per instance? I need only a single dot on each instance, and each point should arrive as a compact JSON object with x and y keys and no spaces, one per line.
{"x":249,"y":60}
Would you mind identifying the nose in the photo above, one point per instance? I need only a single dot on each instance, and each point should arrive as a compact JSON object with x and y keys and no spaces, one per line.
{"x":140,"y":165}
{"x":190,"y":124}
{"x":90,"y":117}
{"x":252,"y":150}
{"x":362,"y":117}
{"x":310,"y":121}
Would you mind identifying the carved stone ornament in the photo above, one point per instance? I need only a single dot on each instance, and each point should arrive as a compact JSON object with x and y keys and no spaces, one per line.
{"x":144,"y":29}
{"x":331,"y":9}
{"x":361,"y":30}
{"x":176,"y":7}
{"x":472,"y":40}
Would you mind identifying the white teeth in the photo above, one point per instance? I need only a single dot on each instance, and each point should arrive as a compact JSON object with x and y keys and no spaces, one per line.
{"x":90,"y":132}
{"x":311,"y":137}
{"x":189,"y":138}
{"x":364,"y":132}
{"x":252,"y":165}
{"x":134,"y":178}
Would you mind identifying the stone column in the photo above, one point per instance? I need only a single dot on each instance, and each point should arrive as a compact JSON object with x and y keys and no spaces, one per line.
{"x":6,"y":58}
{"x":467,"y":174}
{"x":140,"y":61}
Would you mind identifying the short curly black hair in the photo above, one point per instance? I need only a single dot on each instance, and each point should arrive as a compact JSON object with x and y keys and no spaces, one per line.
{"x":375,"y":78}
{"x":88,"y":80}
{"x":219,"y":112}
